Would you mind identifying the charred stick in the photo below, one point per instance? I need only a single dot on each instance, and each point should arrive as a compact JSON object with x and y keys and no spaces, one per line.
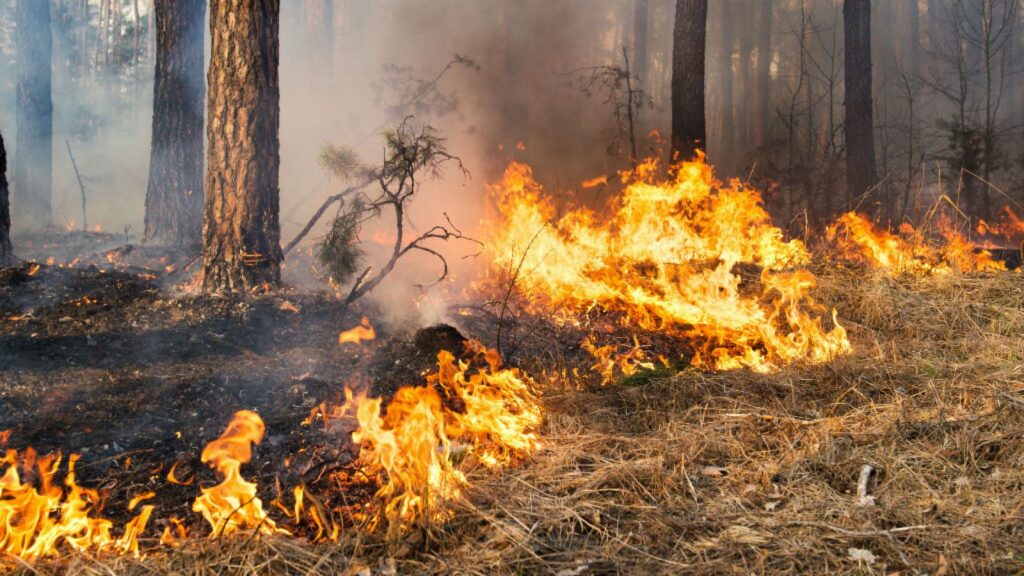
{"x":81,"y":186}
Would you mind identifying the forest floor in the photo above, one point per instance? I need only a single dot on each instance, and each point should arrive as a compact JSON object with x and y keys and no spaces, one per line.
{"x":675,"y":472}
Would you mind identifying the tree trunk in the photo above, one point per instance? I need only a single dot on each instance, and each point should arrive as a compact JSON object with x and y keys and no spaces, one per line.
{"x":689,"y":129}
{"x":724,"y":154}
{"x":914,"y":21}
{"x":320,"y":22}
{"x":640,"y":39}
{"x":33,"y":164}
{"x":174,"y":197}
{"x":6,"y":251}
{"x":860,"y":140}
{"x":241,"y":232}
{"x":764,"y":73}
{"x":741,"y":133}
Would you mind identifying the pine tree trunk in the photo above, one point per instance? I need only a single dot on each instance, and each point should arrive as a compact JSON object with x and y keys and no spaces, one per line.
{"x":860,"y":140}
{"x":764,"y":73}
{"x":174,"y":197}
{"x":241,"y":232}
{"x":641,"y":20}
{"x":6,"y":251}
{"x":689,"y":129}
{"x":724,"y":154}
{"x":33,"y":164}
{"x":320,"y":21}
{"x":914,"y":19}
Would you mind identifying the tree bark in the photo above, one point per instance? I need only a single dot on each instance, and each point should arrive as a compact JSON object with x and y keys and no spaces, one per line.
{"x":764,"y":73}
{"x":861,"y":173}
{"x":689,"y":128}
{"x":726,"y":42}
{"x":6,"y":251}
{"x":174,"y":196}
{"x":33,"y":164}
{"x":241,"y":231}
{"x":641,"y":20}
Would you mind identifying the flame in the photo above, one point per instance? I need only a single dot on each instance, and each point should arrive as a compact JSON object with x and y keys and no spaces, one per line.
{"x":232,"y":505}
{"x":908,"y":252}
{"x":664,"y":259}
{"x":34,"y":522}
{"x":1008,"y":226}
{"x":608,"y":359}
{"x":410,"y":446}
{"x":595,"y":182}
{"x":364,"y":331}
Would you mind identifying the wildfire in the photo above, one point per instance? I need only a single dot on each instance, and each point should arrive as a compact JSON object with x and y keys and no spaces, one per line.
{"x":35,"y":521}
{"x":664,"y":258}
{"x":232,"y":505}
{"x":364,"y":331}
{"x":908,"y":252}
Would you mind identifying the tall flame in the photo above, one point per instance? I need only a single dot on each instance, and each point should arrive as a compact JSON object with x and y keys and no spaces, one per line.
{"x":232,"y":505}
{"x":664,"y":257}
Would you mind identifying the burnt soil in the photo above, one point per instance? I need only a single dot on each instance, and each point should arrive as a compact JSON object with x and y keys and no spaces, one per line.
{"x":135,"y":376}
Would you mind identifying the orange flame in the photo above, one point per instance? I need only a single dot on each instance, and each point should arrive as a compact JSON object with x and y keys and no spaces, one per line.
{"x":908,"y":252}
{"x":664,"y":258}
{"x":232,"y":505}
{"x":411,"y":445}
{"x":34,"y":522}
{"x":364,"y":331}
{"x":608,"y":359}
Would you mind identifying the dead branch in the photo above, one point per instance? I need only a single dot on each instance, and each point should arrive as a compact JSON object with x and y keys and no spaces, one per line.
{"x":320,"y":212}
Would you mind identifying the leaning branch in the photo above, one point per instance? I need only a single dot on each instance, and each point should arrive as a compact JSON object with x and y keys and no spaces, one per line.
{"x":320,"y":212}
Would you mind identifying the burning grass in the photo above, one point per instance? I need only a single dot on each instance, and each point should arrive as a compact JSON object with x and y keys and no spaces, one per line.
{"x":888,"y":443}
{"x":691,"y":472}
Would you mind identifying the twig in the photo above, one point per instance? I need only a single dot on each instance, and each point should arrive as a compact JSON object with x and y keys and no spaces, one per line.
{"x":860,"y":533}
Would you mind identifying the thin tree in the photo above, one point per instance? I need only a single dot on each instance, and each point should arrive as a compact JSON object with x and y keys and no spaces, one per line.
{"x":174,"y":196}
{"x":320,"y":23}
{"x":641,"y":19}
{"x":764,"y":72}
{"x":6,"y":251}
{"x":860,"y":139}
{"x":33,"y":164}
{"x":241,"y":232}
{"x":689,"y":128}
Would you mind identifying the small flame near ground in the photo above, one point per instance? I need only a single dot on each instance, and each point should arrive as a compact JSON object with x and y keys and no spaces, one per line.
{"x":36,"y":521}
{"x":664,"y":258}
{"x":413,"y":445}
{"x":364,"y":331}
{"x":232,"y":505}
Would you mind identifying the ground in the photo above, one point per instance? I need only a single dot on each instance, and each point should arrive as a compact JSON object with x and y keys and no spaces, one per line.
{"x":670,"y":471}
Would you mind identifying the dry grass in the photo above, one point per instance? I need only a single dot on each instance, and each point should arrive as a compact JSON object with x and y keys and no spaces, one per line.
{"x":740,"y":473}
